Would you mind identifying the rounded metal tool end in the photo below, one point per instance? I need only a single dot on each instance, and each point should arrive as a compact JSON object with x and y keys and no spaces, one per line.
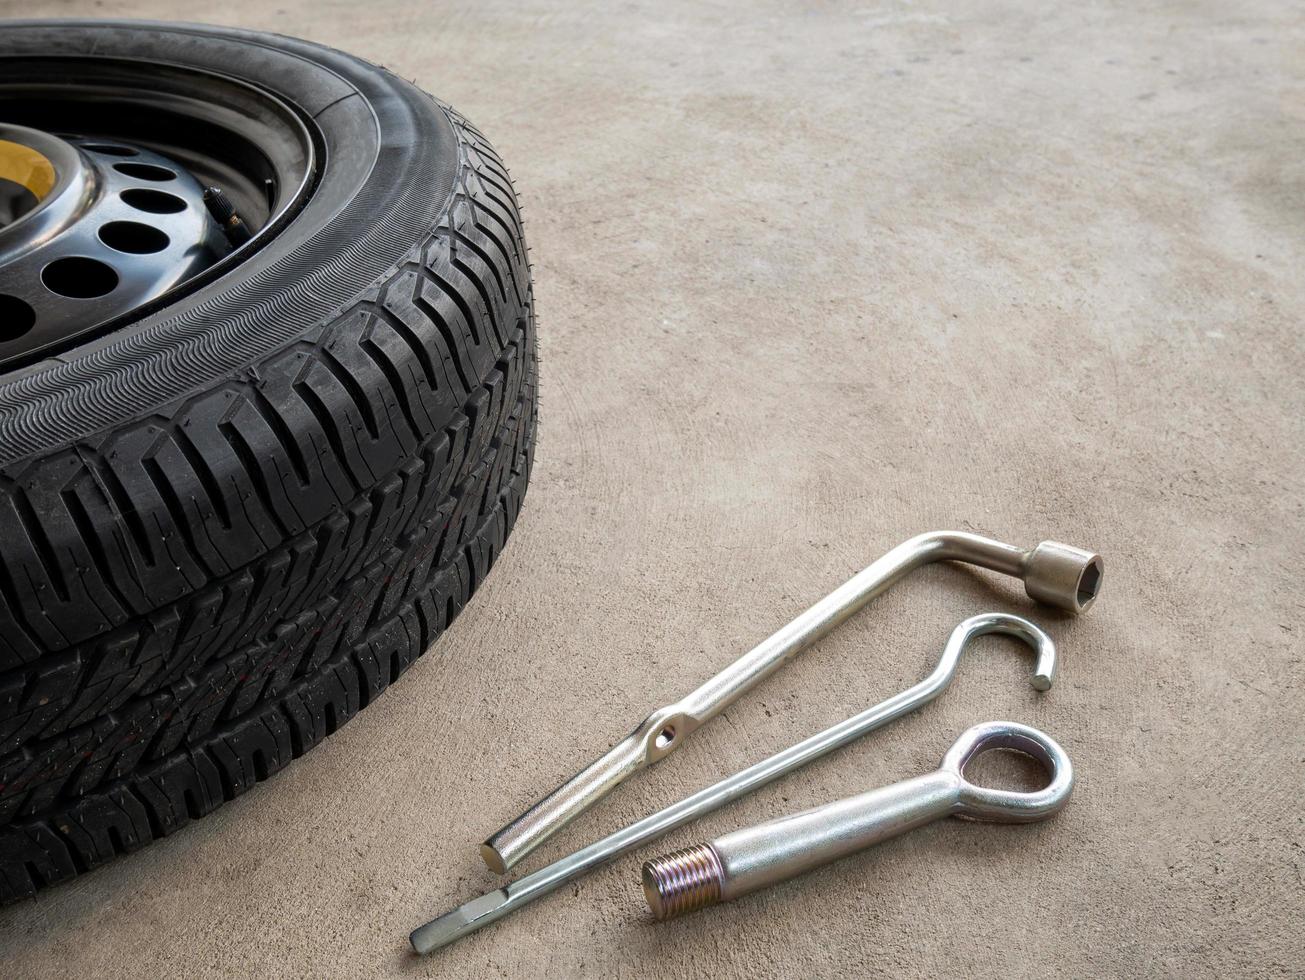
{"x":493,"y":859}
{"x":683,"y":881}
{"x":1063,"y":576}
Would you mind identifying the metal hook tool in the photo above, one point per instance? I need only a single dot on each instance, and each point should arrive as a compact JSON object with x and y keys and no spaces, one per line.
{"x":743,"y":861}
{"x":1057,"y":574}
{"x":494,"y":905}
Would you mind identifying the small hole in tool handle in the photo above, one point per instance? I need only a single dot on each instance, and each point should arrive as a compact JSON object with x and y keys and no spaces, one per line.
{"x":665,"y":737}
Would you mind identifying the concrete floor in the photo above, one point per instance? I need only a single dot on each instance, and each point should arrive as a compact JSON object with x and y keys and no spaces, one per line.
{"x":813,"y":278}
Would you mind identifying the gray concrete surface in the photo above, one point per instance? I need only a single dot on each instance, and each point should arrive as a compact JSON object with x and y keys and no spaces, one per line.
{"x":814,"y":277}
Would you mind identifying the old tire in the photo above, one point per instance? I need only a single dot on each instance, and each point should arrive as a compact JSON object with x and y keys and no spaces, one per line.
{"x":229,"y":525}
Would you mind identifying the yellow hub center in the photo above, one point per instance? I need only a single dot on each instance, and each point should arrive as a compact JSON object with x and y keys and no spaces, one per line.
{"x":27,"y":168}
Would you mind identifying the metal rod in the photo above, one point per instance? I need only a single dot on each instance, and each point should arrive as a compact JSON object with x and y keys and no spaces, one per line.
{"x":751,"y":858}
{"x":1057,"y":574}
{"x":494,"y":905}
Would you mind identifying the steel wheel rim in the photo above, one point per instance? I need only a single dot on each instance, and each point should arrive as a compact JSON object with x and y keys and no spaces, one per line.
{"x":111,"y":126}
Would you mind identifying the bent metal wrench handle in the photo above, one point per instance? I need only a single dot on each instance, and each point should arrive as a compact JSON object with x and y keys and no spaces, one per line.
{"x":755,"y":857}
{"x":1056,"y":574}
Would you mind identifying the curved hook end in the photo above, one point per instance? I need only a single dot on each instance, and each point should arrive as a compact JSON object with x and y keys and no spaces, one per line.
{"x":1044,"y":669}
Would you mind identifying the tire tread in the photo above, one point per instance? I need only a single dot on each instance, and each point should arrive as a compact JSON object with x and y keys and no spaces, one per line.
{"x":240,"y":573}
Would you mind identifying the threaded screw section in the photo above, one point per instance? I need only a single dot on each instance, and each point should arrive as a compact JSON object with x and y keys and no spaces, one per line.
{"x":682,"y":881}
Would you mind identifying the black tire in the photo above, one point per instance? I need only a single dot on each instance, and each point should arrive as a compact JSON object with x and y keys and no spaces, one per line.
{"x":228,"y":527}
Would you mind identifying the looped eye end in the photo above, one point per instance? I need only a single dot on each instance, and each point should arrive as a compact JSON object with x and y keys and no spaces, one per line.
{"x":1010,"y":806}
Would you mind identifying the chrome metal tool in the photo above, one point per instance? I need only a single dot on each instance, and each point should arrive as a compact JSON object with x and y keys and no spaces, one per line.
{"x":755,"y":857}
{"x":1056,"y":574}
{"x":491,"y":907}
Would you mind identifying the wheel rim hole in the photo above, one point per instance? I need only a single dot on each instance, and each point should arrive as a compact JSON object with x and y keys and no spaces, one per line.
{"x":152,"y":201}
{"x":110,"y":149}
{"x":78,"y":277}
{"x":16,"y":317}
{"x":134,"y":237}
{"x":144,"y":171}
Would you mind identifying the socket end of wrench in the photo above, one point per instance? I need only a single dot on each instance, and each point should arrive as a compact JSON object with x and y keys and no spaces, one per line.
{"x":683,"y":881}
{"x":1063,"y":576}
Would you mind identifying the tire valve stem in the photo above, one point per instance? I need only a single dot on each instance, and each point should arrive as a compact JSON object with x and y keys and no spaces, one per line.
{"x":224,"y":213}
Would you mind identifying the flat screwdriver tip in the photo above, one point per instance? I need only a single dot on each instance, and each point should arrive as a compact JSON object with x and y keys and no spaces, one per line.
{"x":452,"y":926}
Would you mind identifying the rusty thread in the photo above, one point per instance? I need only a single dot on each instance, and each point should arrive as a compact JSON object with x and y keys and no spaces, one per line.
{"x":682,"y":881}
